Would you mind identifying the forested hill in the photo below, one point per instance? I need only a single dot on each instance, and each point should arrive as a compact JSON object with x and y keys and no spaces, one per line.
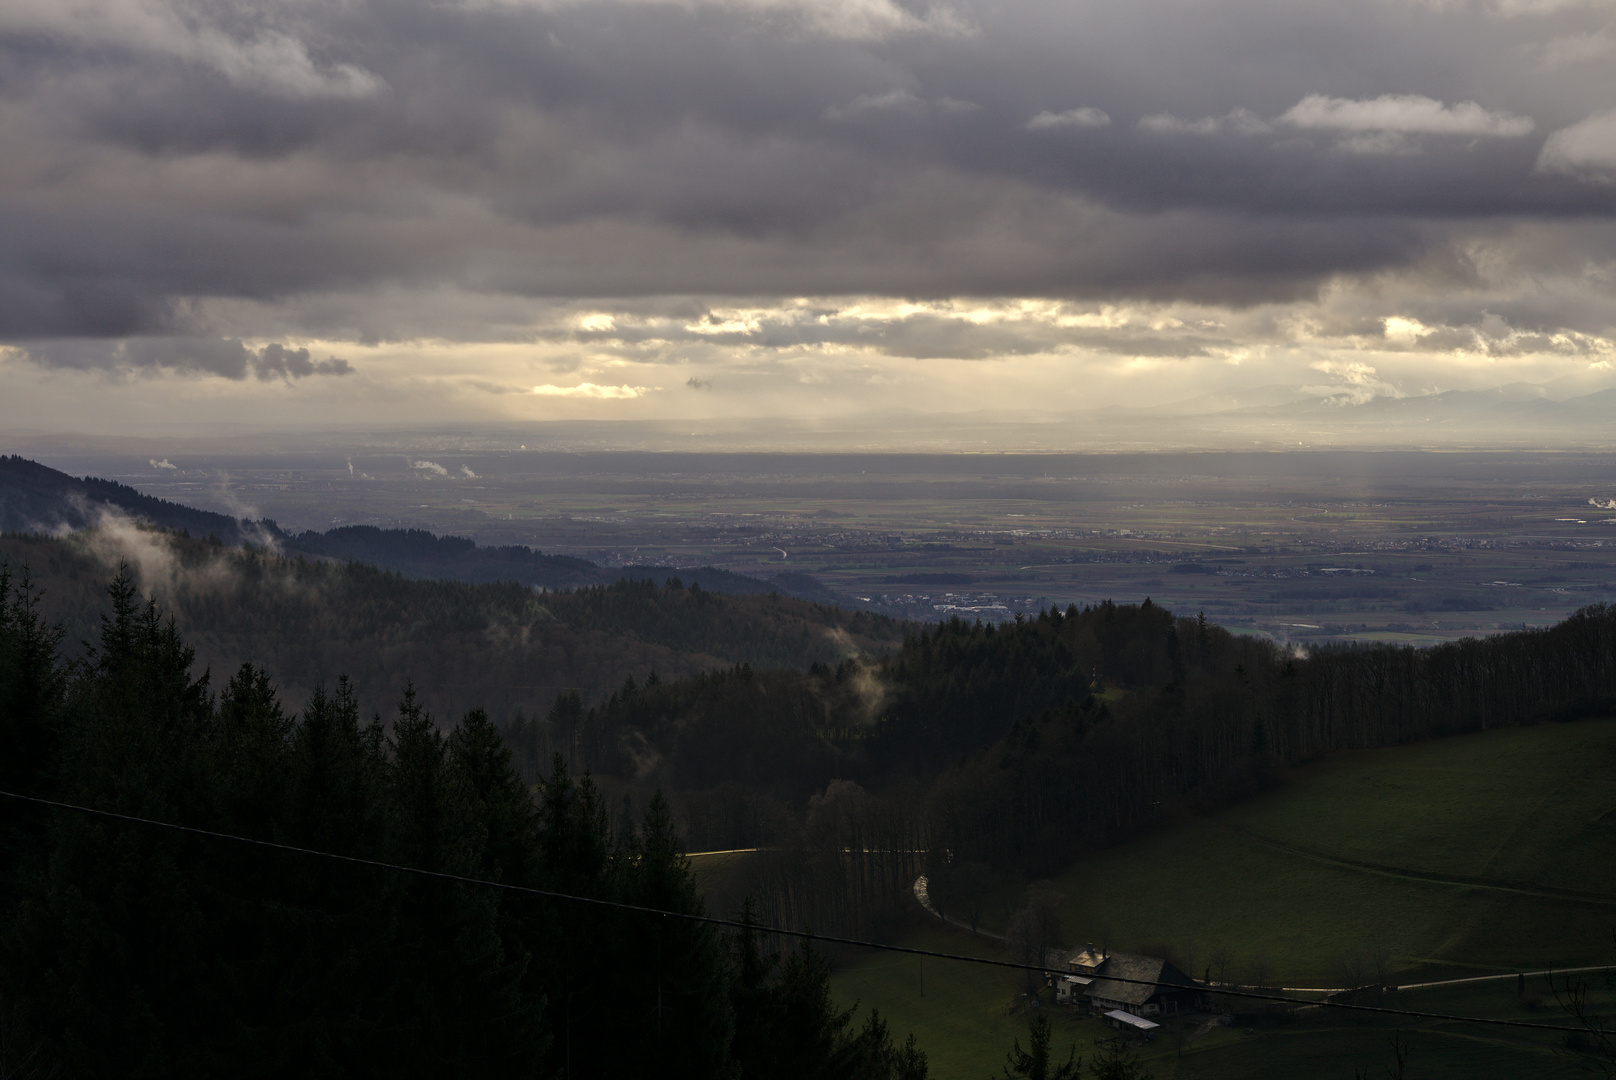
{"x":1019,"y":746}
{"x":37,"y":499}
{"x":419,"y":553}
{"x":504,"y":647}
{"x":132,"y":950}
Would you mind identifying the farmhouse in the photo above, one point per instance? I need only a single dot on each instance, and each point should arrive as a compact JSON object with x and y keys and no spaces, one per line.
{"x":1137,"y":985}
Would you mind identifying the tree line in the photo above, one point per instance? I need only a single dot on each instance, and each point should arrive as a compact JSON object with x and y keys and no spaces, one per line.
{"x":1012,"y":748}
{"x":131,"y":950}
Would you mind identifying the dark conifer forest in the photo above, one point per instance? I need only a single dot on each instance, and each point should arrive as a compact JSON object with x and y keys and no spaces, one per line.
{"x":1016,"y":747}
{"x":501,"y":646}
{"x":131,"y":950}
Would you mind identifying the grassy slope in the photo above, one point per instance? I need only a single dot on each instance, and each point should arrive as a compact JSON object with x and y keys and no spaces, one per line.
{"x":964,"y":1019}
{"x":1274,"y":879}
{"x":1522,"y":807}
{"x":1337,"y":1046}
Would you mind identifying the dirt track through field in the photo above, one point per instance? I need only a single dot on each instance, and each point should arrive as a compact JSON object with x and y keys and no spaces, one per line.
{"x":1419,"y":876}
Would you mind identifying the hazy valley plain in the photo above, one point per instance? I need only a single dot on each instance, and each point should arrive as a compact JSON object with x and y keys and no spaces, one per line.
{"x":1299,"y":545}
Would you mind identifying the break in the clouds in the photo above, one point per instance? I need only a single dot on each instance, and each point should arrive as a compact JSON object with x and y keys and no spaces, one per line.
{"x":261,"y":193}
{"x":591,"y":390}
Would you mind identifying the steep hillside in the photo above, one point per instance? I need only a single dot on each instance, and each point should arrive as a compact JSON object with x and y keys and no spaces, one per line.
{"x":504,"y":647}
{"x":35,"y":498}
{"x":1481,"y":855}
{"x":1486,"y":853}
{"x":979,"y":752}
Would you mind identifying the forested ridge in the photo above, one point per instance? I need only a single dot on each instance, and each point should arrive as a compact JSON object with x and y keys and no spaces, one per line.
{"x":36,"y":499}
{"x":503,"y":647}
{"x":977,"y":751}
{"x":134,"y":951}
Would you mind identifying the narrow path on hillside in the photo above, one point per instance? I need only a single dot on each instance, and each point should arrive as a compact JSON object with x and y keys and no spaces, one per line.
{"x":1509,"y":975}
{"x":923,"y":894}
{"x":1418,"y":876}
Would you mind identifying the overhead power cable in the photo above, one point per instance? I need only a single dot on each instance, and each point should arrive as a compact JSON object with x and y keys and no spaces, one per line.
{"x":755,"y":928}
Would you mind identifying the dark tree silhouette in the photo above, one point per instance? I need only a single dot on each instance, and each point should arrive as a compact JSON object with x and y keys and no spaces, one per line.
{"x":1037,"y":1061}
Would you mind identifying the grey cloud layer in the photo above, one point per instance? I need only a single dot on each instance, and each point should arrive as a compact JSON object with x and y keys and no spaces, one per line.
{"x":187,"y":355}
{"x":156,"y":155}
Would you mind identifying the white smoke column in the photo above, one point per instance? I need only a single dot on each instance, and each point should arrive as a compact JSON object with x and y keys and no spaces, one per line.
{"x":248,"y":520}
{"x":430,"y":466}
{"x":1603,"y":504}
{"x":466,"y":470}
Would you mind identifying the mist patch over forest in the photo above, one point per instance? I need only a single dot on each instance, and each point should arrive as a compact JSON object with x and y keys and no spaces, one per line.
{"x":38,"y":500}
{"x":503,"y":646}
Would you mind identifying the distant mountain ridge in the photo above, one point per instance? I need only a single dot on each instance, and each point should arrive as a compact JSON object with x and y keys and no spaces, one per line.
{"x":35,"y":498}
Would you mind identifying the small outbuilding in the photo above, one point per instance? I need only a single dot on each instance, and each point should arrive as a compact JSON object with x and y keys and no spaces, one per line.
{"x":1127,"y":1021}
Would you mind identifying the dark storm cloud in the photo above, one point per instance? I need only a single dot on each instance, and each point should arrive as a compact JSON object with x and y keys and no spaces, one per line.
{"x":163,"y":154}
{"x":196,"y":356}
{"x":277,"y":361}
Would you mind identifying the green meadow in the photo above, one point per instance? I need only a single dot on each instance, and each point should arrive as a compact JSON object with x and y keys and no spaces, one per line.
{"x":1484,"y":854}
{"x":963,"y":1015}
{"x":1492,"y":852}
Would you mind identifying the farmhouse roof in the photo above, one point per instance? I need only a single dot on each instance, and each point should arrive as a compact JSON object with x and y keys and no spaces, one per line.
{"x":1087,"y":959}
{"x":1146,"y":977}
{"x":1131,"y":1020}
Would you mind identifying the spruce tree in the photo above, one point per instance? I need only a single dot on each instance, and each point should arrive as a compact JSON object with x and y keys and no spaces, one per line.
{"x":32,"y":689}
{"x":1037,"y":1062}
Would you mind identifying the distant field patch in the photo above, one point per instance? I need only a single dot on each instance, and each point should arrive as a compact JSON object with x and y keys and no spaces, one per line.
{"x":1393,"y":637}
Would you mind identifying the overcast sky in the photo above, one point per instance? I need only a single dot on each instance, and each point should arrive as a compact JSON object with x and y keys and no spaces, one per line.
{"x":295,"y":212}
